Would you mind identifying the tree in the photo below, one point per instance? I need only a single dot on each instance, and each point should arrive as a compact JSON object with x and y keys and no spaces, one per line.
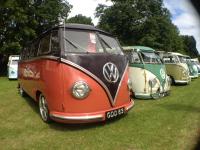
{"x":140,"y":22}
{"x":190,"y":46}
{"x":22,"y":21}
{"x":80,"y":19}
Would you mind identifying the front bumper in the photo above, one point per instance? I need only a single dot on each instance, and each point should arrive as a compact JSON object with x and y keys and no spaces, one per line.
{"x":182,"y":81}
{"x":86,"y":117}
{"x":194,"y":76}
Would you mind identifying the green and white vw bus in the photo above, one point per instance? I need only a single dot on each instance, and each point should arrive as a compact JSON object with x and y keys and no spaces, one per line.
{"x":176,"y":68}
{"x":147,"y":73}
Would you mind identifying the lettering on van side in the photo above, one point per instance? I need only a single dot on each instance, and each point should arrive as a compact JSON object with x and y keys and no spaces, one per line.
{"x":28,"y":73}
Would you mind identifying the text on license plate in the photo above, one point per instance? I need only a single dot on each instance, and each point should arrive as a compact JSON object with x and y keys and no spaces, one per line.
{"x":114,"y":113}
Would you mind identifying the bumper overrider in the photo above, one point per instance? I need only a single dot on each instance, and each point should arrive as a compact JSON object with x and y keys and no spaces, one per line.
{"x":89,"y":117}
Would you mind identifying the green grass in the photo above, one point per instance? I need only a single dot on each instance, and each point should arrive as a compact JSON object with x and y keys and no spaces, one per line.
{"x":171,"y":123}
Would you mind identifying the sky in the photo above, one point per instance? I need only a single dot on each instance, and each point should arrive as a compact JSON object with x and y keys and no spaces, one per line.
{"x":183,"y":14}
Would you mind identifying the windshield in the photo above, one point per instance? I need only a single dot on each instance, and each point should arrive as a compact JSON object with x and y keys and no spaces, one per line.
{"x":133,"y":57}
{"x":182,"y":59}
{"x":91,"y":42}
{"x":188,"y":60}
{"x":151,"y":58}
{"x":170,"y":59}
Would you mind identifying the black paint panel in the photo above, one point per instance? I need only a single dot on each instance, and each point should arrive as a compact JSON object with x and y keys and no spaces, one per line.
{"x":94,"y":63}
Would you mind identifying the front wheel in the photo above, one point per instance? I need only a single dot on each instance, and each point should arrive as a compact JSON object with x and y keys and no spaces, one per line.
{"x":172,"y":82}
{"x":44,"y":112}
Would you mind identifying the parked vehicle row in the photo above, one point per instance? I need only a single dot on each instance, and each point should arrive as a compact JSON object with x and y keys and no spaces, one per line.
{"x":79,"y":74}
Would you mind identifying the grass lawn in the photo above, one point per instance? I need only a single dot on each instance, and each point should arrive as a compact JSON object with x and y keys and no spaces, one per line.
{"x":171,"y":123}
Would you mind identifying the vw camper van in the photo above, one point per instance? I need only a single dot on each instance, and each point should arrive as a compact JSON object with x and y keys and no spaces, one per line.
{"x":192,"y":67}
{"x":77,"y":73}
{"x":147,"y":73}
{"x":196,"y":62}
{"x":176,"y":68}
{"x":13,"y":66}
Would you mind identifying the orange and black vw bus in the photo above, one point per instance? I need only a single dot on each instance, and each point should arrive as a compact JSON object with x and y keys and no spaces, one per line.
{"x":77,"y":73}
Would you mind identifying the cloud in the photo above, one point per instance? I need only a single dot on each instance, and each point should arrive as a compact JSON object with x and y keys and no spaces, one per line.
{"x":185,"y":18}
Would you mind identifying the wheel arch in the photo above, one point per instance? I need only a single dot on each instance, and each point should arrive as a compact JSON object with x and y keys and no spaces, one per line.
{"x":37,"y":94}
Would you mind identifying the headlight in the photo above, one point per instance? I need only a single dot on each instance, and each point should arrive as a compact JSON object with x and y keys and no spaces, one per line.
{"x":129,"y":84}
{"x":185,"y":72}
{"x":80,"y":90}
{"x":152,"y":82}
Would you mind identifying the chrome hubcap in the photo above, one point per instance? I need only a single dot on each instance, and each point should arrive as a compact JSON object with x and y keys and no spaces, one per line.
{"x":43,"y":108}
{"x":21,"y":91}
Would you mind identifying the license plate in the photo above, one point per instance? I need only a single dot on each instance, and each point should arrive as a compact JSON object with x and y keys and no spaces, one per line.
{"x":114,"y":113}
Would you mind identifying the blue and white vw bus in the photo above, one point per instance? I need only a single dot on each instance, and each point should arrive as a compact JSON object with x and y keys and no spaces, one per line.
{"x":13,"y":66}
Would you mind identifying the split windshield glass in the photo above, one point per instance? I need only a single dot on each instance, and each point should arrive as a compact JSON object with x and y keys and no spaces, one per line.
{"x":182,"y":59}
{"x":90,"y":42}
{"x":170,"y":59}
{"x":151,"y":58}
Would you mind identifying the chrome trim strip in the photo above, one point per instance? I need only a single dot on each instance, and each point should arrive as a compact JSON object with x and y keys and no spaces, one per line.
{"x":112,"y":101}
{"x":41,"y":57}
{"x":77,"y":118}
{"x":120,"y":82}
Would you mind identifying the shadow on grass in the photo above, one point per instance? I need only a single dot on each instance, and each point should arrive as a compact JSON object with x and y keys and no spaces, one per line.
{"x":197,"y":147}
{"x":69,"y":127}
{"x":33,"y":104}
{"x":181,"y":107}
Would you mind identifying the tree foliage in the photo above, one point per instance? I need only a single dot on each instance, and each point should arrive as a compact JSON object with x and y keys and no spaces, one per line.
{"x":80,"y":19}
{"x":23,"y":20}
{"x":141,"y":22}
{"x":190,"y":46}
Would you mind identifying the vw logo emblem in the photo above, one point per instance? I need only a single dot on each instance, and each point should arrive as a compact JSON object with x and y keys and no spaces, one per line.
{"x":162,"y":73}
{"x":110,"y":72}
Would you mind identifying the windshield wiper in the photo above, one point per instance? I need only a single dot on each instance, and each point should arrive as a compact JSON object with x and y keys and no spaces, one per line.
{"x":75,"y":45}
{"x":70,"y":42}
{"x":105,"y":42}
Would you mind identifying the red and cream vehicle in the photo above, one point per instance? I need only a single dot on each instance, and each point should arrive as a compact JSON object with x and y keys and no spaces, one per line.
{"x":77,"y":73}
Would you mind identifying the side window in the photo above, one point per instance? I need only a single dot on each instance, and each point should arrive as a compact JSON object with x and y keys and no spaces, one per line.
{"x":34,"y":49}
{"x":44,"y":45}
{"x":55,"y":43}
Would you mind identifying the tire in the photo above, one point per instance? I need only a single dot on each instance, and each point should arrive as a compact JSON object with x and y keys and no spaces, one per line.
{"x":172,"y":82}
{"x":43,"y":109}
